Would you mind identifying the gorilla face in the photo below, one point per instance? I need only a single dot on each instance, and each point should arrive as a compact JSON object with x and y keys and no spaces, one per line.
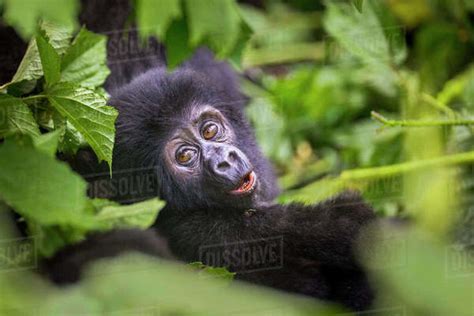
{"x":203,"y":155}
{"x":195,"y":135}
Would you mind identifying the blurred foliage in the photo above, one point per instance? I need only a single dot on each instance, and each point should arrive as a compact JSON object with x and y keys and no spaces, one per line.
{"x":373,"y":95}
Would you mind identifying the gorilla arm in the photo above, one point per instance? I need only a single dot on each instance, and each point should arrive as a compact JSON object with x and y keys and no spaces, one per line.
{"x":324,"y":232}
{"x":67,"y":265}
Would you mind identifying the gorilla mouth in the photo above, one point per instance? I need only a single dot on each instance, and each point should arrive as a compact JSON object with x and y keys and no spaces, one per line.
{"x":247,"y":184}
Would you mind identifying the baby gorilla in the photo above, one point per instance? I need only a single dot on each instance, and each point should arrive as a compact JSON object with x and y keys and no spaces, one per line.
{"x":190,"y":126}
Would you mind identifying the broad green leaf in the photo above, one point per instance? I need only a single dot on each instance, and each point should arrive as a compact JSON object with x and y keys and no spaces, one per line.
{"x":154,"y":17}
{"x":41,"y":188}
{"x":16,"y":117}
{"x":177,"y":49}
{"x":30,"y":68}
{"x":180,"y":291}
{"x":84,"y":62}
{"x":88,"y":113}
{"x":359,"y":33}
{"x":141,"y":215}
{"x":24,"y":14}
{"x":216,"y":22}
{"x":50,"y":60}
{"x":58,"y":36}
{"x":48,"y":143}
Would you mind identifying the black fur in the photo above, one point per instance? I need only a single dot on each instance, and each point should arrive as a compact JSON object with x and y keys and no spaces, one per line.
{"x":67,"y":265}
{"x":314,"y":243}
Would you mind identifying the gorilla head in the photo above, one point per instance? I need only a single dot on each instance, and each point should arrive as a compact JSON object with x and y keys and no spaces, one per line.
{"x":193,"y":130}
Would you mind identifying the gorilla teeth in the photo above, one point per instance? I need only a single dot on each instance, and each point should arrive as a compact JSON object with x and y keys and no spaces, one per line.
{"x":247,"y":184}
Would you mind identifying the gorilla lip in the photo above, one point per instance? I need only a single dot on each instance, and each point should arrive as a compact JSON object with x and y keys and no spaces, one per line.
{"x":247,"y":184}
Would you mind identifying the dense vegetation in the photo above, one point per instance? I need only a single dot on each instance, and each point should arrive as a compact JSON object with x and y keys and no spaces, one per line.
{"x":372,"y":95}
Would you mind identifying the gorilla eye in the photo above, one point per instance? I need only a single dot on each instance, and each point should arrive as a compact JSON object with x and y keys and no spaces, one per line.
{"x":209,"y":131}
{"x":184,"y":156}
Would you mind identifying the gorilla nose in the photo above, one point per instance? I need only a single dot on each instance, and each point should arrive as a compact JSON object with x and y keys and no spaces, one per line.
{"x":225,"y":161}
{"x":227,"y":164}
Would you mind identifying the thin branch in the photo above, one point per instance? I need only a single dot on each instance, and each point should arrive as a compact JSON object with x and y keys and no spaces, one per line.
{"x":432,"y":101}
{"x":419,"y":123}
{"x":385,"y":171}
{"x":34,"y":97}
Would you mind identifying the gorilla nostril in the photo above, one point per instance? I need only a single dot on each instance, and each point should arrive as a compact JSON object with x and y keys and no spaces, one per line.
{"x":223,"y":165}
{"x":232,"y":156}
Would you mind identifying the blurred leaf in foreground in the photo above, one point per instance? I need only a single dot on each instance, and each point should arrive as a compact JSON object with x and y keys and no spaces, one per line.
{"x":140,"y":215}
{"x":41,"y":188}
{"x":24,"y":14}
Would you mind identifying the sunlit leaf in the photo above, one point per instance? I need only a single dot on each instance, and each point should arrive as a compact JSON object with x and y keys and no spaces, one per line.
{"x":84,"y":63}
{"x":140,"y":215}
{"x":88,"y":113}
{"x":16,"y":117}
{"x":30,"y":68}
{"x":154,"y":17}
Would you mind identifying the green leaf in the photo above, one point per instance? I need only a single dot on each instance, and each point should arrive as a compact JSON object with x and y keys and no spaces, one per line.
{"x":71,"y":140}
{"x":213,"y":272}
{"x":147,"y":279}
{"x":88,"y":113}
{"x":214,"y":22}
{"x":41,"y":188}
{"x":84,"y":63}
{"x":359,"y":33}
{"x":154,"y":17}
{"x":30,"y":68}
{"x":50,"y":60}
{"x":358,"y":4}
{"x":52,"y":238}
{"x":58,"y":36}
{"x":177,"y":49}
{"x":16,"y":117}
{"x":141,"y":215}
{"x":24,"y":14}
{"x":48,"y":143}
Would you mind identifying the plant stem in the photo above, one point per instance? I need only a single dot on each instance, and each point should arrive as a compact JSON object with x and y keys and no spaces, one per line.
{"x":418,"y":123}
{"x":34,"y":97}
{"x":430,"y":100}
{"x":378,"y":172}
